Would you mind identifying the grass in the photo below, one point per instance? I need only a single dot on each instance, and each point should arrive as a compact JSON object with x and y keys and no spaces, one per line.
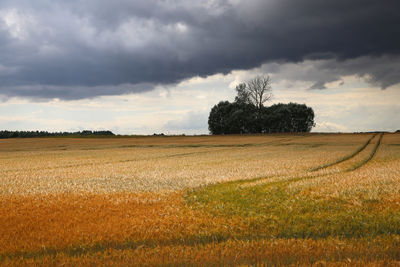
{"x":272,"y":211}
{"x":278,"y":211}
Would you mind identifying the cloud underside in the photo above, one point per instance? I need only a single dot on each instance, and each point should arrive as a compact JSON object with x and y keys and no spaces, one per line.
{"x":81,"y":49}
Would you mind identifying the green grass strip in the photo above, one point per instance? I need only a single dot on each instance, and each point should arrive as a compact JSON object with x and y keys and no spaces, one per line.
{"x":344,"y":158}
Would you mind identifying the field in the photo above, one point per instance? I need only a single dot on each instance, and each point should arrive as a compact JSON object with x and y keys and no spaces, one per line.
{"x":301,"y":200}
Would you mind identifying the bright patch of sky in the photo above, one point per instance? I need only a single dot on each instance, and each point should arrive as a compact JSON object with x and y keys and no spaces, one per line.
{"x":346,"y":105}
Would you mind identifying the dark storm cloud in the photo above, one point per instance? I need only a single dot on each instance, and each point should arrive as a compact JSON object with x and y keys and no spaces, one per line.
{"x":78,"y":49}
{"x":382,"y":71}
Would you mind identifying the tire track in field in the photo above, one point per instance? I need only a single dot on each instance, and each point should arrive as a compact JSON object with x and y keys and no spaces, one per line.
{"x":213,"y":149}
{"x":78,"y":250}
{"x":286,"y":179}
{"x":371,"y":155}
{"x":117,"y":161}
{"x":352,"y":155}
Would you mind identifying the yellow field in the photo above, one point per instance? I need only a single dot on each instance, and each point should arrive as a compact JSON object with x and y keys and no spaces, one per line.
{"x":323,"y":199}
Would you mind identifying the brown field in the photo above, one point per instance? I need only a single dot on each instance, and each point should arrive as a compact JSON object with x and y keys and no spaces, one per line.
{"x":312,"y":199}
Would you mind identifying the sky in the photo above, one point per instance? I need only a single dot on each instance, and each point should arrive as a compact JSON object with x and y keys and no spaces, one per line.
{"x":159,"y":66}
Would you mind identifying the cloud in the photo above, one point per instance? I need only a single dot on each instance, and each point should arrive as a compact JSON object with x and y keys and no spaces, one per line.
{"x":190,"y":121}
{"x":81,"y":49}
{"x":383,"y":71}
{"x":43,"y":92}
{"x":330,"y":127}
{"x":354,"y":106}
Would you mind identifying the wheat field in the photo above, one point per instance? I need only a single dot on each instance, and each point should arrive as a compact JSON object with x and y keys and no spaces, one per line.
{"x":290,"y":199}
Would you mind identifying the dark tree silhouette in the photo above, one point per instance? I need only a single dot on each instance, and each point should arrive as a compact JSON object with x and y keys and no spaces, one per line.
{"x":292,"y":117}
{"x":249,"y":115}
{"x":243,"y":95}
{"x":231,"y":118}
{"x":235,"y":118}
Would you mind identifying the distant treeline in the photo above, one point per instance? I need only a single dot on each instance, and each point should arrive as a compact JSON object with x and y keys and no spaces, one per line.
{"x":28,"y":134}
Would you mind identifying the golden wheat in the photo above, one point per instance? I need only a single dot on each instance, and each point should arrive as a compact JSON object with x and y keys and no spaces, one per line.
{"x":120,"y":201}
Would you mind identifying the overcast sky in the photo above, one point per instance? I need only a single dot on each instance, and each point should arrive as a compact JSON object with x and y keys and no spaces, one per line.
{"x":139,"y":67}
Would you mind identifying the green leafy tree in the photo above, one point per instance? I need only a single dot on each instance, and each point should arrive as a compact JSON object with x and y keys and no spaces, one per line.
{"x":249,"y":115}
{"x":231,"y":118}
{"x":243,"y":95}
{"x":292,"y":117}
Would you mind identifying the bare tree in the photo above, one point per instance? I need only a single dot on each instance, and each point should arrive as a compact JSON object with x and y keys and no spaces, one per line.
{"x":256,"y":91}
{"x":259,"y":90}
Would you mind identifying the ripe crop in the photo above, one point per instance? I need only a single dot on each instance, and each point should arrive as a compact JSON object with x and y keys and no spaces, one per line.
{"x":329,"y":199}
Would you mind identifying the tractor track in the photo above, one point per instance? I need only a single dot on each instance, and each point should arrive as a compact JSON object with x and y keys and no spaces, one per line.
{"x":345,"y":158}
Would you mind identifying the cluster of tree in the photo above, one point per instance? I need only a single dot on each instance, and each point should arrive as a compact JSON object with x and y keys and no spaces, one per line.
{"x":247,"y":114}
{"x":235,"y":118}
{"x":27,"y":134}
